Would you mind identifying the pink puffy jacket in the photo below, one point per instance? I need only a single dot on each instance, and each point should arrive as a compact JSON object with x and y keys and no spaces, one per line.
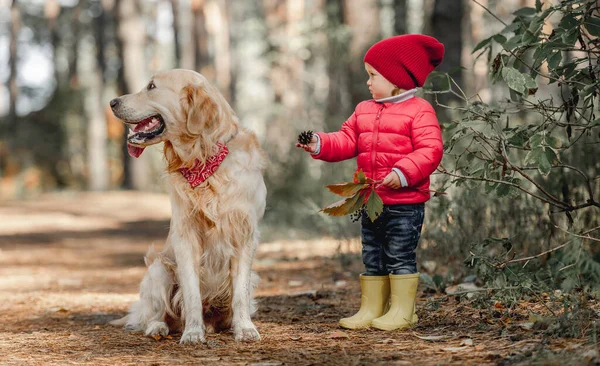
{"x":404,"y":135}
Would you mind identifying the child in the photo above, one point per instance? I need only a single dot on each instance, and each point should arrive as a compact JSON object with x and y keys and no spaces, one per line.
{"x":397,"y":139}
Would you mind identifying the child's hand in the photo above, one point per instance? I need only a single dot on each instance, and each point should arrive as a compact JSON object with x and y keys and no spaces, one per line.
{"x":391,"y":180}
{"x":311,"y":147}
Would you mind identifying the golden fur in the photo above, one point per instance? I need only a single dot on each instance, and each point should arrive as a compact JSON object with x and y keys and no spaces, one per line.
{"x":202,"y":280}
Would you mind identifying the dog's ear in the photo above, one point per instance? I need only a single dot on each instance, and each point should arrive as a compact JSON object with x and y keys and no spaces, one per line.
{"x":202,"y":111}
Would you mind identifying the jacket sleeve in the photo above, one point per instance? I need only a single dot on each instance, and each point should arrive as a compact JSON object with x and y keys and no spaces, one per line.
{"x":341,"y":145}
{"x":428,"y":148}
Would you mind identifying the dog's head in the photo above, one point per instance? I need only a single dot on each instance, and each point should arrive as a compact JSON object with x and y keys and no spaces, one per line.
{"x":179,"y":107}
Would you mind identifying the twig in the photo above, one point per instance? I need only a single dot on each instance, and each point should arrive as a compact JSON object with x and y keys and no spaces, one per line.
{"x":501,"y":182}
{"x":584,"y":236}
{"x":538,"y":255}
{"x":489,"y":11}
{"x":547,"y":194}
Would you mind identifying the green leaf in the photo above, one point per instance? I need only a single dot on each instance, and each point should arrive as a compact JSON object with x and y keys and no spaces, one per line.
{"x":553,"y":142}
{"x":568,"y":22}
{"x":499,"y":38}
{"x":551,"y":156}
{"x":346,"y":189}
{"x":525,"y":12}
{"x":534,"y":156}
{"x":374,"y":206}
{"x":502,"y":189}
{"x":538,"y":5}
{"x":592,"y":24}
{"x":513,"y":42}
{"x":544,"y":157}
{"x":482,"y":44}
{"x":511,"y":27}
{"x":554,"y":60}
{"x":536,"y":140}
{"x":514,"y":79}
{"x":529,"y":82}
{"x":532,"y":33}
{"x":570,"y":37}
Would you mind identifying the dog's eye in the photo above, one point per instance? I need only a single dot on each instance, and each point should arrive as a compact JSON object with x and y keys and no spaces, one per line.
{"x":151,"y":86}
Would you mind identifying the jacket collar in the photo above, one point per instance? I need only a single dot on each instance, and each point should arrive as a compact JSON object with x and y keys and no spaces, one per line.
{"x":398,"y":98}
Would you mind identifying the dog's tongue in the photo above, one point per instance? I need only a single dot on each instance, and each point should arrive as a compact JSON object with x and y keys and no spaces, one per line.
{"x":142,"y":126}
{"x":134,"y":151}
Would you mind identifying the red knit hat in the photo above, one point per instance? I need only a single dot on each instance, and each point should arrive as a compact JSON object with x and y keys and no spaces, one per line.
{"x":406,"y":60}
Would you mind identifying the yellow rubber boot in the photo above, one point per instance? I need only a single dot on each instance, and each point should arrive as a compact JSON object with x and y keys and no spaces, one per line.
{"x":402,"y":303}
{"x":373,"y":303}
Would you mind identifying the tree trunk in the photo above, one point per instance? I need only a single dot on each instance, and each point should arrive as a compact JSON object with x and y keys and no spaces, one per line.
{"x":175,"y":9}
{"x":339,"y":96}
{"x":250,"y":92}
{"x":200,"y":37}
{"x":130,"y":45}
{"x":97,"y":159}
{"x":15,"y":26}
{"x":400,"y":12}
{"x":74,"y":55}
{"x":52,"y":11}
{"x":361,"y":16}
{"x":217,"y":11}
{"x":446,"y":24}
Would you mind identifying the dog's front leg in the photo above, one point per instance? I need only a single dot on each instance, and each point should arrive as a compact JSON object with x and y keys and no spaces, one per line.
{"x":243,"y":328}
{"x":190,"y":286}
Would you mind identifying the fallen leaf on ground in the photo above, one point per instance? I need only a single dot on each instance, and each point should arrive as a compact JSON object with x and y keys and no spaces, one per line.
{"x":466,"y":342}
{"x":455,"y":349}
{"x":526,"y":325}
{"x":431,"y":338}
{"x":58,"y":309}
{"x":338,"y":335}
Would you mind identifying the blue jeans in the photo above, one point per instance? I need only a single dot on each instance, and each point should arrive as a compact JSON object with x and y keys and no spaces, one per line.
{"x":389,"y":243}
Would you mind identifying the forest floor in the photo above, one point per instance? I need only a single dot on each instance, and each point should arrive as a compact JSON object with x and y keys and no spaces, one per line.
{"x":70,"y":263}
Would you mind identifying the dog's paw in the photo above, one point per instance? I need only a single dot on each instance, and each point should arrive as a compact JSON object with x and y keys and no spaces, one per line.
{"x":156,"y":328}
{"x":193,"y":336}
{"x":249,"y":334}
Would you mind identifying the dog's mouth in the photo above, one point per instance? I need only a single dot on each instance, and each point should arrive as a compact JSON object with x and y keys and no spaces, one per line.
{"x":142,"y":134}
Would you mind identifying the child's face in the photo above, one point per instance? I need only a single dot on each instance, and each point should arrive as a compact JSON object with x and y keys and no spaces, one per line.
{"x":379,"y":86}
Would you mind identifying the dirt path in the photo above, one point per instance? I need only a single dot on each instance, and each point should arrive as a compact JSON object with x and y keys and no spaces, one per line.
{"x":69,"y":263}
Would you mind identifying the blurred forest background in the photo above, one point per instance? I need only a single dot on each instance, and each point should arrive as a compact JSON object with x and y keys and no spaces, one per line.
{"x":292,"y":65}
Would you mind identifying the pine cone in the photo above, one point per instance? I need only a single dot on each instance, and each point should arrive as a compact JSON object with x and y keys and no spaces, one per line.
{"x":305,"y":137}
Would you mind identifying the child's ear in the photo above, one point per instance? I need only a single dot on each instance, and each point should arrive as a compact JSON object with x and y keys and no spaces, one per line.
{"x":202,"y":111}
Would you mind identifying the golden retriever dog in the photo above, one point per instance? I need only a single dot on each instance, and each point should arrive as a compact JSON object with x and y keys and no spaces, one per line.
{"x":202,"y":281}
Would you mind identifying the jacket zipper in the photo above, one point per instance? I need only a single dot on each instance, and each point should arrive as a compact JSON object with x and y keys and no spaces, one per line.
{"x":375,"y":139}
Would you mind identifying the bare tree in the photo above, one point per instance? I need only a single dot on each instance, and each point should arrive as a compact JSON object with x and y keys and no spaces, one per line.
{"x":131,"y":76}
{"x":74,"y":54}
{"x":15,"y":26}
{"x":446,"y":25}
{"x":361,"y":16}
{"x":52,"y":10}
{"x":176,"y":40}
{"x":200,"y":37}
{"x":97,"y":158}
{"x":400,"y":12}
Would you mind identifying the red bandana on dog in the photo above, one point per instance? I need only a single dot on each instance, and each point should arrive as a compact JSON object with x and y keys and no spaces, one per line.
{"x":199,"y":173}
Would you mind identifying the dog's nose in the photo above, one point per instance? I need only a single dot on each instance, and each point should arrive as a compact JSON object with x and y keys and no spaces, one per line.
{"x":114,"y":103}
